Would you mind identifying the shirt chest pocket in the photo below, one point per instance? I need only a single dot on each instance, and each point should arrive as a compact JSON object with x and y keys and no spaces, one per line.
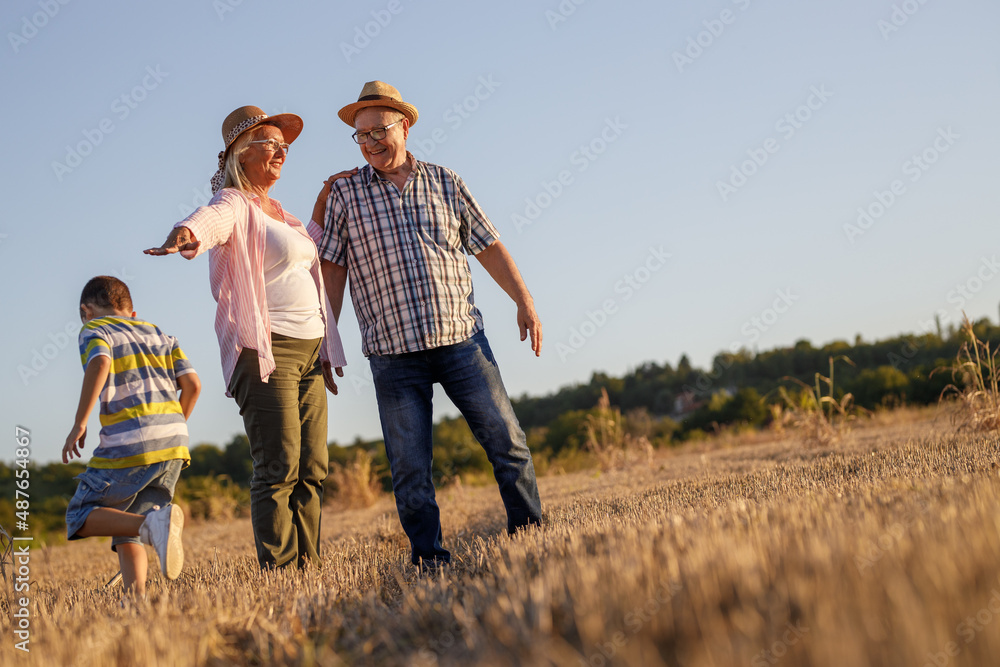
{"x":437,"y":222}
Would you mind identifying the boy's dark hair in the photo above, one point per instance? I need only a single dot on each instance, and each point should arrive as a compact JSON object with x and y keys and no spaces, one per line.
{"x":106,"y":292}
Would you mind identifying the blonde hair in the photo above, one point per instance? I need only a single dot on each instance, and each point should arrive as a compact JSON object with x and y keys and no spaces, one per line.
{"x":234,"y":176}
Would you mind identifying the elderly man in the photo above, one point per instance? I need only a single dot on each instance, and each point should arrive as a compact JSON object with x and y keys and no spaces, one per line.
{"x":400,"y":228}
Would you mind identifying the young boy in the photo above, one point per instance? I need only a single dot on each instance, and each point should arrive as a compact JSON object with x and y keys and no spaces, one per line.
{"x":125,"y":492}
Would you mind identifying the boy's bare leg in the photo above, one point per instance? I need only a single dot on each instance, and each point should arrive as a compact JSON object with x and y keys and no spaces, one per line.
{"x":132,"y":559}
{"x":108,"y":522}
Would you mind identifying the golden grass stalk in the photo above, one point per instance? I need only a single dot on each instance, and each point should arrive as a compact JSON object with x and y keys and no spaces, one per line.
{"x":606,"y":439}
{"x":213,"y":498}
{"x":822,"y":418}
{"x":6,"y":554}
{"x":975,"y":383}
{"x":356,"y":484}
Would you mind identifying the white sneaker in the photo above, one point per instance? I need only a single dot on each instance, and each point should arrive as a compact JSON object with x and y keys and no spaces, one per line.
{"x":162,"y":531}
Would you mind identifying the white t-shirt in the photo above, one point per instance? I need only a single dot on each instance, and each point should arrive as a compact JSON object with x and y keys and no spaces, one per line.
{"x":291,"y":293}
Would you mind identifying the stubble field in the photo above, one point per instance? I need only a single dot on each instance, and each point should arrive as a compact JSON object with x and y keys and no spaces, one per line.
{"x":883,"y":549}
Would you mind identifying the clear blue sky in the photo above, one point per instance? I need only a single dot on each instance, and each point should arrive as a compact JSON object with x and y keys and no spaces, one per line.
{"x":602,"y":142}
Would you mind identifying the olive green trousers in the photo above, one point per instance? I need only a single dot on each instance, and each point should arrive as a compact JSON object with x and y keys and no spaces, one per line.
{"x":285,"y":421}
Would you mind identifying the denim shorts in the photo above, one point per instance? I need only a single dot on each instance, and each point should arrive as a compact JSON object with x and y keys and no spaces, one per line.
{"x":135,"y":490}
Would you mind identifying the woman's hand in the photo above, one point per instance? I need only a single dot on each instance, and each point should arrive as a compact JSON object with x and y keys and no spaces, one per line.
{"x":319,"y":210}
{"x":328,"y":376}
{"x":179,"y":240}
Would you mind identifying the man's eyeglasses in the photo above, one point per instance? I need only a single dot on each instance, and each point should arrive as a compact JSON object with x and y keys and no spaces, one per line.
{"x":272,"y":145}
{"x":376,"y":133}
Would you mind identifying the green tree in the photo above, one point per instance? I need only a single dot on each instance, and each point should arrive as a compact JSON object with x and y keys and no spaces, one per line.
{"x":874,"y":385}
{"x":205,"y":460}
{"x":456,"y":451}
{"x":236,"y":460}
{"x":564,"y":431}
{"x":745,"y":407}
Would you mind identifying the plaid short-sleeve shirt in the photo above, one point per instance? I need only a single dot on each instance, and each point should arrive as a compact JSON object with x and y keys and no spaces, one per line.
{"x":405,"y":253}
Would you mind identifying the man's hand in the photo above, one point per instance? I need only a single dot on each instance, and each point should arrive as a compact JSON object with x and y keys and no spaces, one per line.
{"x":328,"y":376}
{"x":500,"y":265}
{"x":74,"y":443}
{"x":319,"y":209}
{"x":179,"y":240}
{"x":530,"y":325}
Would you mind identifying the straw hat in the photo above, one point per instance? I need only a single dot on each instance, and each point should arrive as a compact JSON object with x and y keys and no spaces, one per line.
{"x":378,"y":94}
{"x":244,"y":119}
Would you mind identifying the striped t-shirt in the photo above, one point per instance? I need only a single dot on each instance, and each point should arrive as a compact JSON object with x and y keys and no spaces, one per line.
{"x":141,"y":418}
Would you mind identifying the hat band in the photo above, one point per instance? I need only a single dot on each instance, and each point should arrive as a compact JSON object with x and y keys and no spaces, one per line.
{"x":219,"y":177}
{"x":238,"y":130}
{"x":370,"y":98}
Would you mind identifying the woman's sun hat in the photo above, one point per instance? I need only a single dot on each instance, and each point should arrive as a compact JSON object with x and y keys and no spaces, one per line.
{"x":378,"y":94}
{"x":244,"y":119}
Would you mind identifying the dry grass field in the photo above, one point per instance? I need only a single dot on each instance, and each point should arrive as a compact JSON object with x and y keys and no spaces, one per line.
{"x":882,"y":549}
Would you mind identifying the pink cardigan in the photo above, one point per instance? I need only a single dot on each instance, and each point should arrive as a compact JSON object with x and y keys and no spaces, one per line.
{"x":231,"y":227}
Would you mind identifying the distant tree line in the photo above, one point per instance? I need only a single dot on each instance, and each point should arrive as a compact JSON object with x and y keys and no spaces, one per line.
{"x":662,"y":403}
{"x":906,"y":369}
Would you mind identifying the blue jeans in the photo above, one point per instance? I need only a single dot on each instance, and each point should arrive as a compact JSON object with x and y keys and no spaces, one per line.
{"x":469,"y":375}
{"x":136,"y":490}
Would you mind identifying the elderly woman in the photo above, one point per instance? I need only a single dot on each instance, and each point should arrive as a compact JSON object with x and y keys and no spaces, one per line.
{"x":275,"y":331}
